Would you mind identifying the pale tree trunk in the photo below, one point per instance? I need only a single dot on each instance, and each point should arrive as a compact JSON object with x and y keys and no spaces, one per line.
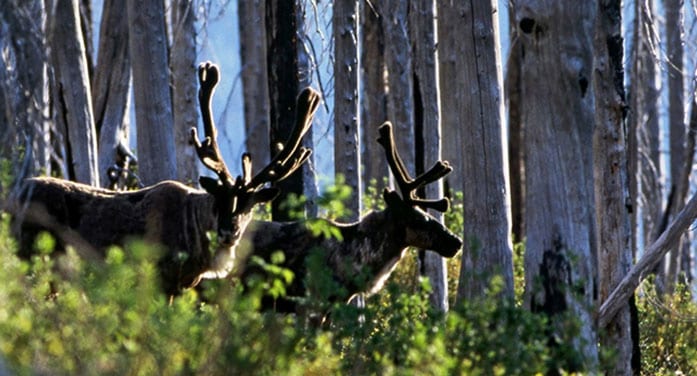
{"x":111,"y":88}
{"x":184,"y":88}
{"x":644,"y":142}
{"x":24,"y":92}
{"x":73,"y":93}
{"x":447,"y":68}
{"x":400,"y":105}
{"x":373,"y":96}
{"x":557,"y":109}
{"x":148,"y":49}
{"x":676,"y":114}
{"x":422,"y":28}
{"x":487,"y":250}
{"x":346,"y":116}
{"x":611,"y":186}
{"x":516,"y":154}
{"x":256,"y":94}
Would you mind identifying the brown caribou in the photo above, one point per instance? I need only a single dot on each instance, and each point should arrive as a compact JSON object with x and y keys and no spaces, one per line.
{"x":170,"y":214}
{"x":362,"y":258}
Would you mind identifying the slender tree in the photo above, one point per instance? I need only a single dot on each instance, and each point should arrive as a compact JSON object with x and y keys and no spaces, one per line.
{"x":111,"y":86}
{"x":148,"y":49}
{"x":373,"y":101}
{"x":72,"y":87}
{"x":422,"y":27}
{"x":254,"y":73}
{"x":347,"y":154}
{"x":611,"y":186}
{"x":184,"y":87}
{"x":557,"y":109}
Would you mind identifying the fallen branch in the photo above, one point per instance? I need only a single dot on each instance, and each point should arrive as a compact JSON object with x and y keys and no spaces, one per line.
{"x":654,"y":253}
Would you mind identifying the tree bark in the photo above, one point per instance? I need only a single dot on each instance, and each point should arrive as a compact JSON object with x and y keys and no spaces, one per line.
{"x":422,"y":27}
{"x":347,"y":154}
{"x":254,"y":75}
{"x":112,"y":83}
{"x":153,"y":100}
{"x":373,"y":96}
{"x":447,"y":68}
{"x":516,"y":132}
{"x":676,"y":113}
{"x":487,"y":251}
{"x":73,"y":93}
{"x":283,"y":86}
{"x":611,"y":186}
{"x":184,"y":88}
{"x":400,"y":105}
{"x":557,"y":108}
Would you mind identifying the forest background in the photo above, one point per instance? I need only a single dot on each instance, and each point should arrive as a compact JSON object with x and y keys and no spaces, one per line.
{"x":578,"y":141}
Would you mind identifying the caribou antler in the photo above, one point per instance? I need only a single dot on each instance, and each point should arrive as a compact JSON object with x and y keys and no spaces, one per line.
{"x":292,"y":155}
{"x":208,"y":151}
{"x":407,"y":185}
{"x":289,"y":159}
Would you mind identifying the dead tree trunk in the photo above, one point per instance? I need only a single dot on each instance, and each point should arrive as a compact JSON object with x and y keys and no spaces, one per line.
{"x":557,"y":109}
{"x":184,"y":87}
{"x":611,"y":187}
{"x":422,"y":28}
{"x":112,"y":83}
{"x":148,"y":48}
{"x":347,"y":161}
{"x":73,"y":93}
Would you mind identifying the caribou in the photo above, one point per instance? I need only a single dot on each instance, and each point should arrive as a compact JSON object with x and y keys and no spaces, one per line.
{"x":362,"y":257}
{"x":179,"y":219}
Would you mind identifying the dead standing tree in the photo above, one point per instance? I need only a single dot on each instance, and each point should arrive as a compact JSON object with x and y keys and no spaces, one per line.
{"x":169,"y":214}
{"x":365,"y":253}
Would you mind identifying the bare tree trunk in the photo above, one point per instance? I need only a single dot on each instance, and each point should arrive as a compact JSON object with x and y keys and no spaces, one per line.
{"x":487,"y":251}
{"x":347,"y":154}
{"x":611,"y":187}
{"x":422,"y":27}
{"x":73,"y":92}
{"x":557,"y":109}
{"x":254,"y":74}
{"x":283,"y":85}
{"x":676,"y":113}
{"x":516,"y":154}
{"x":373,"y":97}
{"x":153,"y":99}
{"x":400,"y":105}
{"x":112,"y":83}
{"x":24,"y":92}
{"x":184,"y":87}
{"x":447,"y":68}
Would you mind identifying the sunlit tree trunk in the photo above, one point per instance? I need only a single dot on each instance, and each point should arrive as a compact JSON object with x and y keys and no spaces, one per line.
{"x":557,"y":109}
{"x":73,"y":93}
{"x":184,"y":87}
{"x":611,"y":186}
{"x":487,"y":250}
{"x":151,"y":86}
{"x":256,"y":94}
{"x":111,"y":85}
{"x":346,"y":116}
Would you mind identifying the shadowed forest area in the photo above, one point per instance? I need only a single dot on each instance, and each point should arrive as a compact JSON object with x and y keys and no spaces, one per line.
{"x":419,"y":190}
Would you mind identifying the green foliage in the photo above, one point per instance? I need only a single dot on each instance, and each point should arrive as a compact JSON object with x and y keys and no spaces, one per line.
{"x":668,"y":331}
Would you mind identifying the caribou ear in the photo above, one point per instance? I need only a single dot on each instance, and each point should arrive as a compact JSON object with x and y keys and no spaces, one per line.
{"x":211,"y":185}
{"x":266,"y":194}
